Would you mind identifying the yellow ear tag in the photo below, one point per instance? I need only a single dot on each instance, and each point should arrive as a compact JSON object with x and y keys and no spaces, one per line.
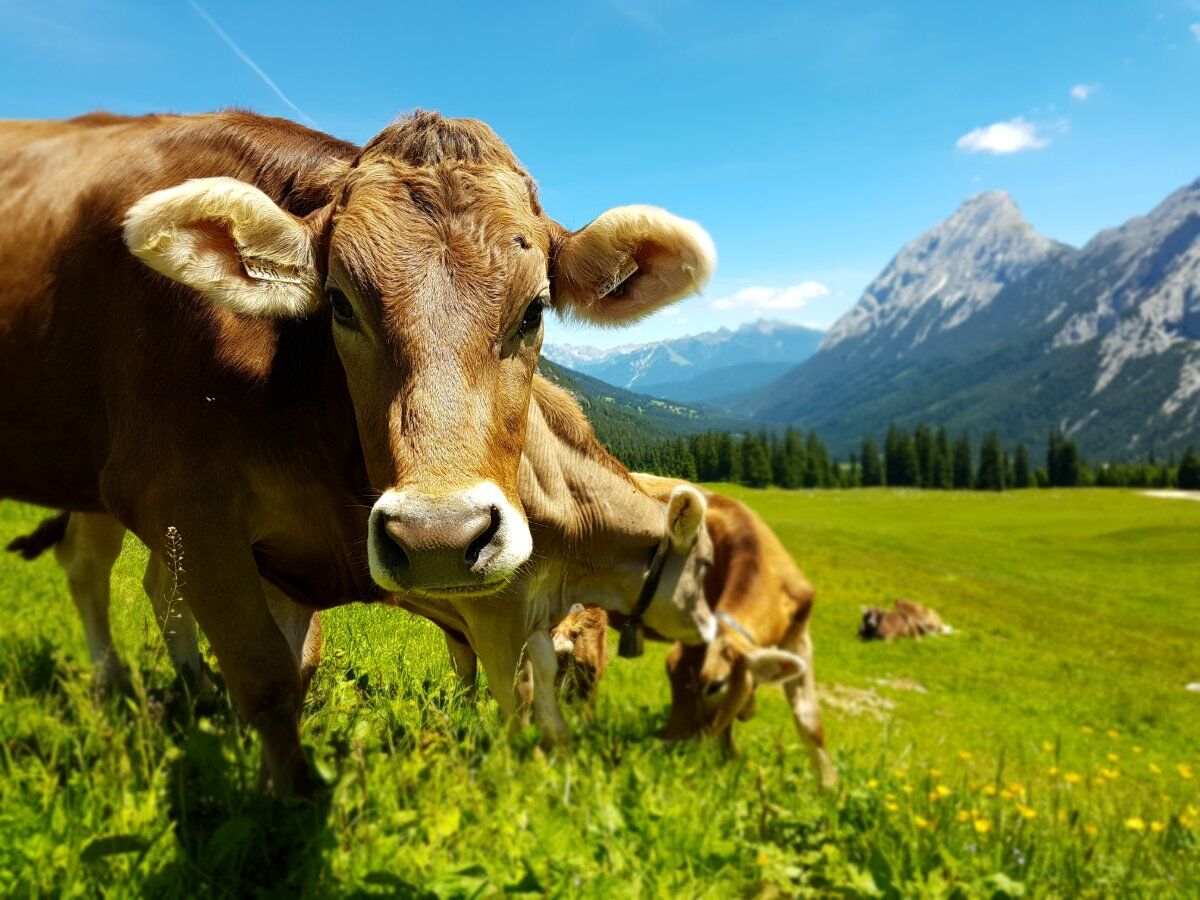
{"x":622,"y":275}
{"x":268,"y":270}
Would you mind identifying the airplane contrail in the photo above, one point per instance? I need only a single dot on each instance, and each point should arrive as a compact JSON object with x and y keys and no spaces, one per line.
{"x":244,"y":57}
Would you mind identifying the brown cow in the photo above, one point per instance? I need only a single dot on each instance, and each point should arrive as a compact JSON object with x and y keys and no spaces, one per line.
{"x":581,"y":647}
{"x":334,"y":343}
{"x":907,"y":620}
{"x":763,"y":604}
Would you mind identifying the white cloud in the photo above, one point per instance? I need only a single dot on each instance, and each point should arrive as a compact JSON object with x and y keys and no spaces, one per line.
{"x":1082,"y":92}
{"x":773,"y":299}
{"x":1194,"y":28}
{"x":1001,"y":138}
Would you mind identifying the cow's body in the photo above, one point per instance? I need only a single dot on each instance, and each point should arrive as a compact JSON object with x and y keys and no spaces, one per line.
{"x":224,"y":401}
{"x":764,"y":604}
{"x":907,"y":620}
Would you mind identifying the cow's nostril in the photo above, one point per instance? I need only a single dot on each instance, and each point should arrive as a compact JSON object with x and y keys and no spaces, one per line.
{"x":483,"y":538}
{"x":397,"y":554}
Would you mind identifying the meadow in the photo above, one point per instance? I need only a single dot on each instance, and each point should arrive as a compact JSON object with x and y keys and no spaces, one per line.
{"x":1046,"y":748}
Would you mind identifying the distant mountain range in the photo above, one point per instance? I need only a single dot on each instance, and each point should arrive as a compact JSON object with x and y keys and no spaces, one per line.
{"x":697,"y":368}
{"x":981,"y":323}
{"x":617,"y":414}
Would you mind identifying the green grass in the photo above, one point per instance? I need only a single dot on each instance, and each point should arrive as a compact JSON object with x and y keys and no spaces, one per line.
{"x":972,"y":765}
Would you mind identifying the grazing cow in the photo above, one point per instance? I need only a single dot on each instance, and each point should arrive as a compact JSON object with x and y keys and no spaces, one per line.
{"x":763,"y":603}
{"x":581,"y":647}
{"x":595,"y":532}
{"x":907,"y":620}
{"x":279,"y":344}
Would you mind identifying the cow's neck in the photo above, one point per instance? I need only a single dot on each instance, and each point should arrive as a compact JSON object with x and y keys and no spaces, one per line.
{"x":584,"y":510}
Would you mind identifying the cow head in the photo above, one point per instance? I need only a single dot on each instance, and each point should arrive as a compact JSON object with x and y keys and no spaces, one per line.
{"x":872,"y":622}
{"x":714,"y":685}
{"x":434,"y":263}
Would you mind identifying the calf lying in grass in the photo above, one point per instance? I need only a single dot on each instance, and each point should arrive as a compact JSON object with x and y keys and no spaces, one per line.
{"x":907,"y":620}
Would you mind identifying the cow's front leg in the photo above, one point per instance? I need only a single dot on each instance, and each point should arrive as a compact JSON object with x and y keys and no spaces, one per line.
{"x":546,"y":710}
{"x":261,"y":670}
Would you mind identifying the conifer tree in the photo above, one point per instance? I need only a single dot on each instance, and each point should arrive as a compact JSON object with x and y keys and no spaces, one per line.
{"x":1022,"y":475}
{"x":872,"y":469}
{"x":990,"y":476}
{"x":685,"y":463}
{"x":756,"y":465}
{"x":923,"y":441}
{"x":943,"y":476}
{"x":961,"y":464}
{"x":1188,"y":478}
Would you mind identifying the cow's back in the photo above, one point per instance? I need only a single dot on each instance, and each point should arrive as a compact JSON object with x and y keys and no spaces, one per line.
{"x":94,"y":347}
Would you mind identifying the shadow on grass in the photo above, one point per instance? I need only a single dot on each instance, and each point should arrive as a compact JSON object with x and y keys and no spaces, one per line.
{"x":234,"y":840}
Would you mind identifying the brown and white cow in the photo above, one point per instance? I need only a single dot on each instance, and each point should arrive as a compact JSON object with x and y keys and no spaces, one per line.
{"x":908,"y":619}
{"x":763,"y":603}
{"x":316,"y":344}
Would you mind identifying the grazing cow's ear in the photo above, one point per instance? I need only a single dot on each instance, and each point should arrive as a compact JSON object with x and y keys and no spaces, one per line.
{"x":685,"y":515}
{"x":231,"y":242}
{"x":628,"y":263}
{"x":772,"y":666}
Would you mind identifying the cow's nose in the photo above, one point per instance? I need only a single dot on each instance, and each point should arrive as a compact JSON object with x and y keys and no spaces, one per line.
{"x":471,"y":540}
{"x":465,"y":537}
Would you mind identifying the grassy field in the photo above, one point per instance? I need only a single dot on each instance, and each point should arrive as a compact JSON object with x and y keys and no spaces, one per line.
{"x":1047,"y":747}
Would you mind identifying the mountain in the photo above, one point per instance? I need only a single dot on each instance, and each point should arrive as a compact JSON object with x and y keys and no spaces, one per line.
{"x":981,"y":323}
{"x":618,"y":415}
{"x":698,"y":367}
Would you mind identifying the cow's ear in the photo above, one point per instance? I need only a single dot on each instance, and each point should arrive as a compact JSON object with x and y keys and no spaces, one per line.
{"x":685,"y":515}
{"x":231,"y":242}
{"x":630,"y":262}
{"x":773,"y":666}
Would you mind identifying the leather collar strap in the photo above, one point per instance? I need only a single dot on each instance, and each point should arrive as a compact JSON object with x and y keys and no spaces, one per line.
{"x":631,"y":644}
{"x":734,"y":625}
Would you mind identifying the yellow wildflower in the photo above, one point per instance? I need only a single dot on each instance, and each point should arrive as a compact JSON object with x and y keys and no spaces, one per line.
{"x":1015,"y":788}
{"x":1006,"y":794}
{"x":1062,"y":815}
{"x":990,"y":790}
{"x":1155,"y":769}
{"x":1158,"y":827}
{"x":1112,"y":757}
{"x":935,"y":773}
{"x":762,"y":859}
{"x":964,"y":755}
{"x":891,"y":806}
{"x":982,"y":826}
{"x":1137,"y":749}
{"x":963,"y":816}
{"x":1091,"y":830}
{"x":872,"y":784}
{"x":907,"y":788}
{"x":1185,"y":821}
{"x":1135,"y":823}
{"x":942,"y":791}
{"x":1027,"y":812}
{"x":1185,"y":771}
{"x":1072,"y":778}
{"x":1110,"y":774}
{"x":922,"y":822}
{"x":1113,"y":733}
{"x":1052,"y":771}
{"x":973,"y":785}
{"x":1088,"y":729}
{"x":901,"y":774}
{"x":1047,"y":746}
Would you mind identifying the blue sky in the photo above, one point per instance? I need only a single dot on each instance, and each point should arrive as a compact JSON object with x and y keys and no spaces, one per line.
{"x":812,"y":140}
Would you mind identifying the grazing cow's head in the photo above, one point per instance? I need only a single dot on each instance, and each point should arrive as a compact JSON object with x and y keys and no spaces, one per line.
{"x":434,"y":263}
{"x":872,"y":622}
{"x":679,"y":610}
{"x":710,"y":692}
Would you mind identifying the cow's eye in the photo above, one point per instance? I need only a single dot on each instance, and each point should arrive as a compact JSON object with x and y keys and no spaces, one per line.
{"x":343,"y":312}
{"x":714,"y":687}
{"x":532,"y":320}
